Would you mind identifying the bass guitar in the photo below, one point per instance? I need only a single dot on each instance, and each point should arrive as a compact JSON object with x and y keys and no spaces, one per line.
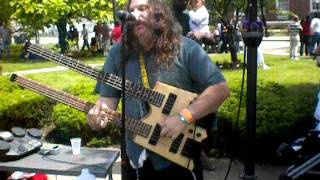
{"x":147,"y":133}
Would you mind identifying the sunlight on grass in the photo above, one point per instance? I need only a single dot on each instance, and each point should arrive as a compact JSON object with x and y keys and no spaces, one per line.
{"x":61,"y":80}
{"x":16,"y":64}
{"x":283,"y":70}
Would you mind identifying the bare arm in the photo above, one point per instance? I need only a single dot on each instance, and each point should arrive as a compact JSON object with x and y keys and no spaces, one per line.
{"x":209,"y":100}
{"x":96,"y":118}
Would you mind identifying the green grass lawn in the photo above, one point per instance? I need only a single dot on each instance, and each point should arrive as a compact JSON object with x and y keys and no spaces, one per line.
{"x":16,"y":64}
{"x":283,"y":71}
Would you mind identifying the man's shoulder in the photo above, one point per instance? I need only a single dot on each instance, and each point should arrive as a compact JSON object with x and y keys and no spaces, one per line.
{"x":187,"y":42}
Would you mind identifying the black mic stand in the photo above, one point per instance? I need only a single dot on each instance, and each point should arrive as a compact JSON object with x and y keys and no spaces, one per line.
{"x":252,"y":37}
{"x":123,"y":54}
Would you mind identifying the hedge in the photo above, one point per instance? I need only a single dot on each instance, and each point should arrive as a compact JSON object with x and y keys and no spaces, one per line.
{"x":284,"y":112}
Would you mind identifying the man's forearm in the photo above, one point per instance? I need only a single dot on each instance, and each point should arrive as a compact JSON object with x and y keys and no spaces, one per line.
{"x":209,"y":101}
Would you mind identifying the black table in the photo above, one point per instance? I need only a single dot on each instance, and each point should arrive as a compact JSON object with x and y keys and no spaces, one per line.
{"x":98,"y":161}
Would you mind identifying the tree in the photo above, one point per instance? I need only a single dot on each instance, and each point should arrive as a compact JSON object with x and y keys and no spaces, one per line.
{"x":6,"y":10}
{"x":35,"y":14}
{"x":224,"y":11}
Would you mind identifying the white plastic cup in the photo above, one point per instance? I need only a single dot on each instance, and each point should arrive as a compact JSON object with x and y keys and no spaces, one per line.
{"x":75,"y":144}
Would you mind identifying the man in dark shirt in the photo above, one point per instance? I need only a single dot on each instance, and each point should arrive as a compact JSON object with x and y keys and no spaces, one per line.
{"x":179,"y":8}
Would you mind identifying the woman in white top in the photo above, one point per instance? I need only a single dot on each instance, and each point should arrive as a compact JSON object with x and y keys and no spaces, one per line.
{"x":199,"y":16}
{"x":199,"y":19}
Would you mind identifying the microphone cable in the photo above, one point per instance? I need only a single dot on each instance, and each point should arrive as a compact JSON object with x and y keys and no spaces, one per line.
{"x":239,"y":108}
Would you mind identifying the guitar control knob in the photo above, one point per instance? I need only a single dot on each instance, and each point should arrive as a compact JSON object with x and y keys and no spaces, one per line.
{"x":198,"y":134}
{"x":190,"y":131}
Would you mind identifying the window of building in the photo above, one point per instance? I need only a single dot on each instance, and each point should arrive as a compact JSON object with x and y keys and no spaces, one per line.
{"x":283,"y":5}
{"x":315,"y":5}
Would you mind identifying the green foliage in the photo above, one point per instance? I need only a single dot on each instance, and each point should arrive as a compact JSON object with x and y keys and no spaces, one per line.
{"x":102,"y":142}
{"x":283,"y":114}
{"x":21,"y":107}
{"x":70,"y":122}
{"x":6,"y":10}
{"x":38,"y":14}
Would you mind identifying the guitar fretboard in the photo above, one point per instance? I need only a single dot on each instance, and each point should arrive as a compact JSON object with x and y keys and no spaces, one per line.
{"x":112,"y":80}
{"x":137,"y":127}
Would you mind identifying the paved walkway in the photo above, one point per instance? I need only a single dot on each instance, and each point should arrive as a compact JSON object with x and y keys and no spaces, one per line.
{"x":262,"y":171}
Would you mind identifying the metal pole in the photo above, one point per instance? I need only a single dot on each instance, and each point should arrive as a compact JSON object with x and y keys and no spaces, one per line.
{"x":125,"y":173}
{"x":114,"y":11}
{"x":249,"y":166}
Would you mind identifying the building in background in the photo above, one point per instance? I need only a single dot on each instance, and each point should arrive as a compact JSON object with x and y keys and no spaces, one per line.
{"x":279,"y":11}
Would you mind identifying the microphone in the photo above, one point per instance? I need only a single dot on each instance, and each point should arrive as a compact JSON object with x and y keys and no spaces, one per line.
{"x":125,"y":15}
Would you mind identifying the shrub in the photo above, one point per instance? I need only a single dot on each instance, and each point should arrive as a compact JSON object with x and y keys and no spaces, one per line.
{"x":283,"y":114}
{"x":70,"y":122}
{"x":20,"y":107}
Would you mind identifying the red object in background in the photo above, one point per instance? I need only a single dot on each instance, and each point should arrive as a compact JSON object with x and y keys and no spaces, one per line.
{"x":39,"y":176}
{"x":116,"y":34}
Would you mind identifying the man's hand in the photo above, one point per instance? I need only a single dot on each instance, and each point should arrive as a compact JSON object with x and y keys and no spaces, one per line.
{"x":96,"y":117}
{"x":171,"y":127}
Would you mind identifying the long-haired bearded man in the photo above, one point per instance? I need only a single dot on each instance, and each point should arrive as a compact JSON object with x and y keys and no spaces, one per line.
{"x":156,"y":51}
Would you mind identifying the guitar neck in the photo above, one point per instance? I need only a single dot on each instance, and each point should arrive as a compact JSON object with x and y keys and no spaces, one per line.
{"x":137,"y":127}
{"x":112,"y":80}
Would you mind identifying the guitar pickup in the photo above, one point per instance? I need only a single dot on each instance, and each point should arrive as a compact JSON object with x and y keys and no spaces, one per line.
{"x":155,"y":135}
{"x":176,"y":144}
{"x":169,"y":104}
{"x":191,"y":148}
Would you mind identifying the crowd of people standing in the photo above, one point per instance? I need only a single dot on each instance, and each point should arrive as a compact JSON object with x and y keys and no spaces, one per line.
{"x":103,"y":37}
{"x":307,"y":32}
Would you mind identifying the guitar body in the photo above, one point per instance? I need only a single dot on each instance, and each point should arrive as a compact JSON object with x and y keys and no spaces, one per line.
{"x":182,"y":149}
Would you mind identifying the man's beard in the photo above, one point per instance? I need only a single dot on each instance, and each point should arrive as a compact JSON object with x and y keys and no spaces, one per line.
{"x":146,"y":39}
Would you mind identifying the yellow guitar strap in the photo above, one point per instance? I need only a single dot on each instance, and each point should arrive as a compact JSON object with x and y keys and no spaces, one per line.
{"x":143,"y":69}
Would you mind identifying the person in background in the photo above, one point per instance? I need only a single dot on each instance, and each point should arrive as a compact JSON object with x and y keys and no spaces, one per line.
{"x":179,"y":8}
{"x":157,"y":52}
{"x":315,"y":31}
{"x":294,"y":29}
{"x":94,"y":45}
{"x":85,"y":35}
{"x":116,"y":33}
{"x":75,"y":35}
{"x":316,"y":113}
{"x":5,"y":35}
{"x":306,"y":36}
{"x":97,"y":29}
{"x":105,"y":32}
{"x":260,"y":60}
{"x":199,"y":20}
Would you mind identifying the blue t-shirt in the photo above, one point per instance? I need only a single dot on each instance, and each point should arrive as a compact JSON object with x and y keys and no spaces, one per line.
{"x":191,"y":70}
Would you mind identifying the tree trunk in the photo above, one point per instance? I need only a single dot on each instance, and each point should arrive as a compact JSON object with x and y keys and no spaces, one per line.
{"x":62,"y":30}
{"x":232,"y":45}
{"x":37,"y":38}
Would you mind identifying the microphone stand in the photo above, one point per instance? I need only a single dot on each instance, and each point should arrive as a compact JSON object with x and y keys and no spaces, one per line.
{"x":252,"y":36}
{"x":123,"y":54}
